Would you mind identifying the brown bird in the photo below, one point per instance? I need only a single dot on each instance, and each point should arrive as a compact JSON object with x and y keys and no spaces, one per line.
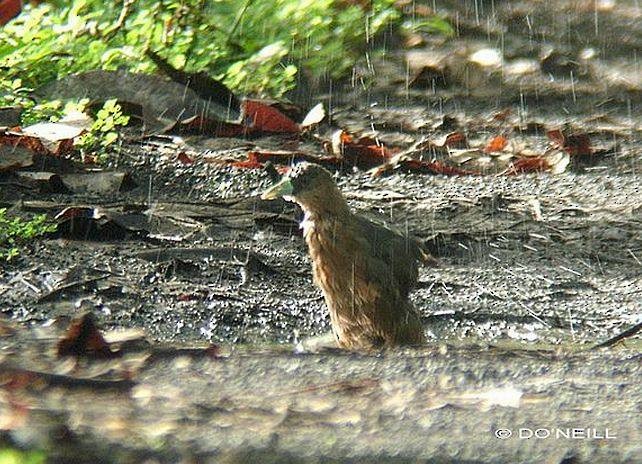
{"x":364,"y":269}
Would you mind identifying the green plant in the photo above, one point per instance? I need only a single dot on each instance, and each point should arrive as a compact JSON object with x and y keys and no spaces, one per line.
{"x":255,"y":46}
{"x":12,"y":93}
{"x":16,"y":232}
{"x":432,"y":25}
{"x":16,"y":456}
{"x":103,"y":132}
{"x":44,"y":111}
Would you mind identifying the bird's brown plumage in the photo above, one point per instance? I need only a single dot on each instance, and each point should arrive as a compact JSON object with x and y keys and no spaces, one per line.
{"x":365,"y":270}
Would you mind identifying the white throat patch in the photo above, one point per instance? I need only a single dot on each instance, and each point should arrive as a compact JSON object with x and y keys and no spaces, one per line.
{"x":307,"y":224}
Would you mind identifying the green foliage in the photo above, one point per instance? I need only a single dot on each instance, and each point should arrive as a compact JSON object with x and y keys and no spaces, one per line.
{"x":255,"y":46}
{"x":432,"y":25}
{"x":103,"y":132}
{"x":43,"y":111}
{"x":15,"y":456}
{"x":16,"y":232}
{"x":12,"y":93}
{"x":100,"y":136}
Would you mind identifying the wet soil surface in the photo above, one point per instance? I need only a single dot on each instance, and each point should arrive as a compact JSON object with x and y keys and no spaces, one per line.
{"x":446,"y":405}
{"x":535,"y":269}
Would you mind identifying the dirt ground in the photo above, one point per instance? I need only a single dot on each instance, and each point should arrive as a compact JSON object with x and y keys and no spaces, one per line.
{"x":535,"y":270}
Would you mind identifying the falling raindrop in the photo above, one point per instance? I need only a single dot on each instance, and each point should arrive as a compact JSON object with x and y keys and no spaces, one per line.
{"x":407,"y":81}
{"x":477,"y":12}
{"x":573,"y":88}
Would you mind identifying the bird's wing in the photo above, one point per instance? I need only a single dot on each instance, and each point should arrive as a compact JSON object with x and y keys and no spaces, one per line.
{"x":395,"y":256}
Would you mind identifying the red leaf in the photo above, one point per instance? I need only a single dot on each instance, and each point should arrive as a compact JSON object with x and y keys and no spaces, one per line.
{"x":503,"y":114}
{"x":84,"y":339}
{"x":425,"y":167}
{"x":260,"y":117}
{"x":456,"y":140}
{"x":184,"y":158}
{"x":9,"y":9}
{"x":364,"y":152}
{"x":496,"y":144}
{"x":36,"y":145}
{"x":30,"y":143}
{"x":575,"y":144}
{"x":437,"y":167}
{"x":556,"y":136}
{"x":256,"y":159}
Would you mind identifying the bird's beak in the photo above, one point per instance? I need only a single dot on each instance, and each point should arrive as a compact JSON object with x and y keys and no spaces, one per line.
{"x":283,"y":188}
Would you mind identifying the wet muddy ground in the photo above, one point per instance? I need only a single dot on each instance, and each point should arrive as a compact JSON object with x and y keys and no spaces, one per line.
{"x":535,"y":270}
{"x":533,"y":258}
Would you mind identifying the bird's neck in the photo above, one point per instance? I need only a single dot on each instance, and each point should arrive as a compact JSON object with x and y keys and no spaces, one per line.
{"x":327,"y":206}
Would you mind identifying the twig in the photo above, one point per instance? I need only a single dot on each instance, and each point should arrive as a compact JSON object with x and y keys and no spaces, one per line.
{"x":58,"y":291}
{"x":120,"y":22}
{"x":626,"y":334}
{"x":239,"y":17}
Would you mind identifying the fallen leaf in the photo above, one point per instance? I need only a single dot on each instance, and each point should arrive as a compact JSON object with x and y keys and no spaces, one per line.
{"x":452,"y":140}
{"x":9,"y":9}
{"x":34,"y":144}
{"x":314,"y":116}
{"x":423,"y":167}
{"x":496,"y":144}
{"x":574,"y":143}
{"x":69,"y":127}
{"x":184,"y":158}
{"x":84,"y":339}
{"x":256,"y":159}
{"x":503,"y":115}
{"x":263,"y":118}
{"x":94,"y":224}
{"x":364,"y":152}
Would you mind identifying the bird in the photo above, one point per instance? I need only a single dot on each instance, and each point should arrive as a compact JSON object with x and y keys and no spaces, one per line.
{"x":364,"y":269}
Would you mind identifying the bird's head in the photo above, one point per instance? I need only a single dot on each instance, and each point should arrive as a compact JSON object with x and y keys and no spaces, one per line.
{"x":308,"y":184}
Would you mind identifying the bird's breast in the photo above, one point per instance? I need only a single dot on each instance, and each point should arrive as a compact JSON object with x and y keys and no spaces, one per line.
{"x":337,"y":261}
